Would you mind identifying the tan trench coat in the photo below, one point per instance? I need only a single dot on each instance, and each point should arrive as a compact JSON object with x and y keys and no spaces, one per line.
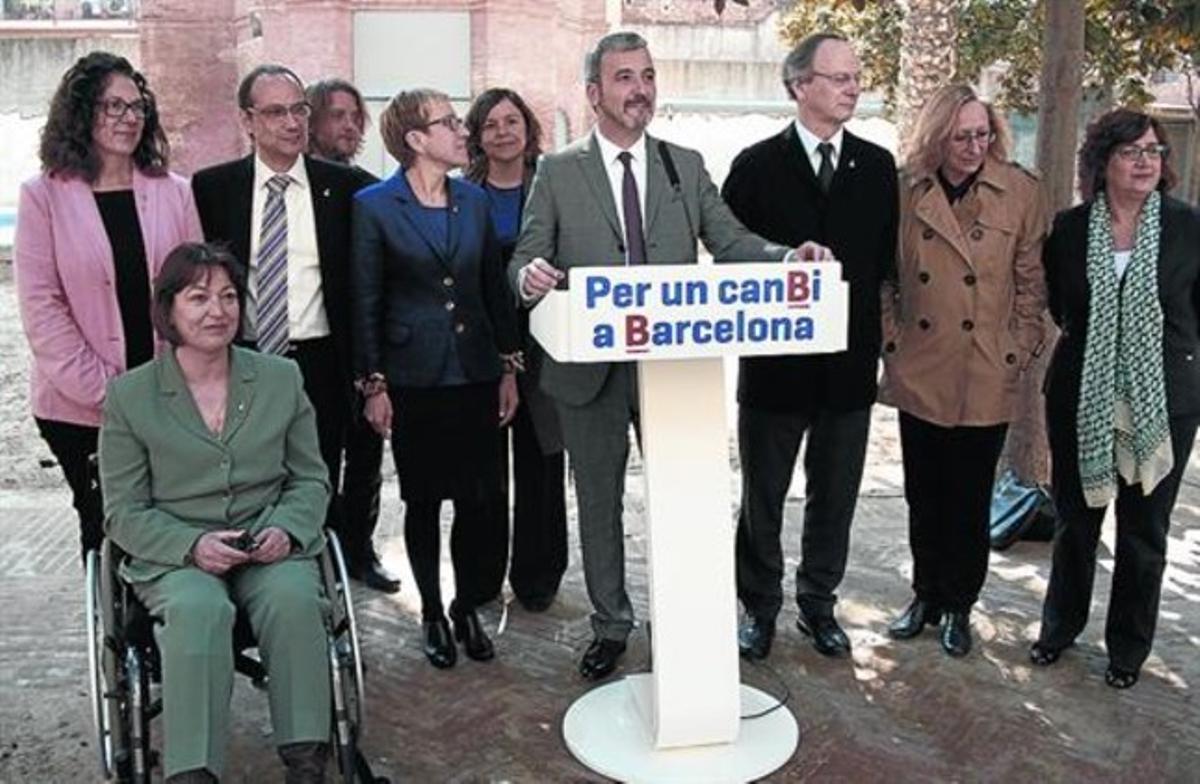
{"x":964,"y":319}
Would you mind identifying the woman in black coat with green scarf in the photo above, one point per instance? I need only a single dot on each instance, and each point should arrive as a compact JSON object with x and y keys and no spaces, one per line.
{"x":1123,"y":387}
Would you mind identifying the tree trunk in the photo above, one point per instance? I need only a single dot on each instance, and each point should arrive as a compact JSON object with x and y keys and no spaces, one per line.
{"x":1058,"y":129}
{"x":927,"y":55}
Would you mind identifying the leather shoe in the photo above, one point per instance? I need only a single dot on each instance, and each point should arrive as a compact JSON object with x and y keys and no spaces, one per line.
{"x":374,"y":575}
{"x":956,"y":633}
{"x":439,"y":647}
{"x":469,"y":632}
{"x":827,"y":636}
{"x":913,"y":620}
{"x":755,"y":637}
{"x":600,"y":658}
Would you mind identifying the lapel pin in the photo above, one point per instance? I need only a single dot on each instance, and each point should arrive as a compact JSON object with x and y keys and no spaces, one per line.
{"x":851,"y":163}
{"x":325,"y":193}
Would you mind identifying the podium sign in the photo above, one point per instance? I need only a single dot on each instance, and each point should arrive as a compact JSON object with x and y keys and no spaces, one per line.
{"x":682,"y":721}
{"x":686,"y":311}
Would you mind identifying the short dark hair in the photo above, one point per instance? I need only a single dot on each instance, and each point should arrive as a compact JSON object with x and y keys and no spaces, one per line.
{"x":246,"y":86}
{"x":799,"y":62}
{"x":477,"y":116}
{"x":406,"y":112}
{"x":1104,"y":135}
{"x":183,"y":266}
{"x":66,"y":147}
{"x":613,"y":42}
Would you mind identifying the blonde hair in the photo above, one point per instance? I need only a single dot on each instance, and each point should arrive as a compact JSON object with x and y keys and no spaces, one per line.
{"x":406,"y":112}
{"x":925,"y":148}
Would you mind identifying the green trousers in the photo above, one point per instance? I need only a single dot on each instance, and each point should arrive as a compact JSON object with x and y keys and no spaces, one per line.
{"x":286,"y":609}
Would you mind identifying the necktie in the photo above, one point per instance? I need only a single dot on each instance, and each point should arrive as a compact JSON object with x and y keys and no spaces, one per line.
{"x":271,"y":311}
{"x":635,"y":240}
{"x":825,"y":174}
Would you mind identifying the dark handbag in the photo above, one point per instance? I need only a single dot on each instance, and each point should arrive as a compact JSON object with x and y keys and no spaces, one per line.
{"x":1020,"y":511}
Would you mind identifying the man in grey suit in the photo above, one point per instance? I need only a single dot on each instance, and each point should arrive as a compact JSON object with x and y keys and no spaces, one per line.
{"x":616,"y":196}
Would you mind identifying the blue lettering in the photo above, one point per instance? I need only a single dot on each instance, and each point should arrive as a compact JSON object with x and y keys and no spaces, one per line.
{"x":597,"y":287}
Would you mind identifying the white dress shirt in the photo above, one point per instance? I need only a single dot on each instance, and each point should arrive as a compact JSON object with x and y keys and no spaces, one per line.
{"x":306,"y":303}
{"x":810,"y":140}
{"x":616,"y":176}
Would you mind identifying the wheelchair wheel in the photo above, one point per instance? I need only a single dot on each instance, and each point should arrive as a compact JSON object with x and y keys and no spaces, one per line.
{"x":345,"y":661}
{"x":99,"y":655}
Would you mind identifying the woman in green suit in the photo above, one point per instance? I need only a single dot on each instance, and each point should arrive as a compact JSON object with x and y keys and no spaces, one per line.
{"x":213,"y":484}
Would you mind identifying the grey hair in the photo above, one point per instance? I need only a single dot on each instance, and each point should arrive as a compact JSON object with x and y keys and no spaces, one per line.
{"x":798,"y":63}
{"x":613,"y":42}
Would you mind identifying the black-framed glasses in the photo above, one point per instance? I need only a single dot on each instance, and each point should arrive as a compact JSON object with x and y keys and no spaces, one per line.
{"x":841,"y":79}
{"x":966,"y":138}
{"x":451,"y":122}
{"x":115,"y":108}
{"x":277,"y":112}
{"x":1132,"y":152}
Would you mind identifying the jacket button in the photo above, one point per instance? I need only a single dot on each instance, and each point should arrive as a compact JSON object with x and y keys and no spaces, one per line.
{"x":1010,"y":359}
{"x":450,"y":305}
{"x":977,"y":234}
{"x":889,"y":347}
{"x":460,"y":328}
{"x":923,"y":323}
{"x":969,"y":280}
{"x":968,"y":325}
{"x":923,"y":277}
{"x":620,"y":248}
{"x":447,"y":281}
{"x":927,"y":234}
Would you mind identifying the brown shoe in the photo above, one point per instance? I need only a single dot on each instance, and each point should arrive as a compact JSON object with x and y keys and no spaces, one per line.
{"x":304,"y":762}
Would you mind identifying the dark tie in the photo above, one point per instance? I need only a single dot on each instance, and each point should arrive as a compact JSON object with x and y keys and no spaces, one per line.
{"x":271,"y":310}
{"x":825,"y":174}
{"x":635,"y":239}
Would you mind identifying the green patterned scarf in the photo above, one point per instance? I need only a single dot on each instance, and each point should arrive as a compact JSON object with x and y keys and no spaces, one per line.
{"x":1122,"y":418}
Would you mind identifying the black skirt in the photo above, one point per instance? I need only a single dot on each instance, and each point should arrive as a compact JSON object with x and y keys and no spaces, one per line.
{"x":444,"y":439}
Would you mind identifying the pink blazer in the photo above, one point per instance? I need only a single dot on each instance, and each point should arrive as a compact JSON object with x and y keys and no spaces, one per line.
{"x":66,"y":287}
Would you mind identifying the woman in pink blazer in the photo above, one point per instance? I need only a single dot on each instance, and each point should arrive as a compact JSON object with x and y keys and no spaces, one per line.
{"x":92,"y":231}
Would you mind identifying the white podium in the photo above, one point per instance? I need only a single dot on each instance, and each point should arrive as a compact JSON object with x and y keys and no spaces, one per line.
{"x":682,"y":722}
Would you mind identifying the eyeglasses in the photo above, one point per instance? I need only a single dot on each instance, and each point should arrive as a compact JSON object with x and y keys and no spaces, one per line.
{"x":450,"y":122}
{"x":1132,"y":152}
{"x":843,"y":79}
{"x":115,"y":108}
{"x":982,"y":138}
{"x":277,"y":112}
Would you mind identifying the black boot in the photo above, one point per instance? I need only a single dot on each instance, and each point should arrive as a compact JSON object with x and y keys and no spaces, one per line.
{"x":439,"y":647}
{"x":956,"y":633}
{"x":913,"y":620}
{"x":469,"y":631}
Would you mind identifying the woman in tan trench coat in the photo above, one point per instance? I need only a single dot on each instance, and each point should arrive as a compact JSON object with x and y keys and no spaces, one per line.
{"x":961,"y":323}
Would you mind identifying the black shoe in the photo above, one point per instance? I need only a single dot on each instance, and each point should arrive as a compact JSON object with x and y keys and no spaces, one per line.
{"x":372,"y":574}
{"x":827,"y":636}
{"x":1120,"y":678}
{"x":439,"y":647}
{"x":956,"y":633}
{"x":600,"y":659}
{"x":1044,"y":655}
{"x":536,"y":604}
{"x":755,"y":637}
{"x":469,"y":632}
{"x":913,"y":620}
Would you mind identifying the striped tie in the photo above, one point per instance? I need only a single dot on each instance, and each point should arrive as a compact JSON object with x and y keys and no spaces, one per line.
{"x":271,"y":305}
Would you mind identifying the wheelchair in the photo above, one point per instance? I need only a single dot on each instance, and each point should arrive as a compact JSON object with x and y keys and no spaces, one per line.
{"x":123,"y":666}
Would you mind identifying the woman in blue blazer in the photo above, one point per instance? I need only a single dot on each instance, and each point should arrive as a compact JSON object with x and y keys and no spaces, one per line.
{"x":436,"y":350}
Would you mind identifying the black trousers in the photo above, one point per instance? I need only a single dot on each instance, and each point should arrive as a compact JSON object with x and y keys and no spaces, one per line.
{"x":833,"y":464}
{"x":329,"y":392}
{"x":948,"y":478}
{"x":361,"y":485}
{"x":445,"y":446}
{"x":539,"y":511}
{"x":74,"y":447}
{"x":1142,"y":524}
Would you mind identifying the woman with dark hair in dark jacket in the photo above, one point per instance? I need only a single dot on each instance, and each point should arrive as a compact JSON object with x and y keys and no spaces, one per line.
{"x":1123,"y":388}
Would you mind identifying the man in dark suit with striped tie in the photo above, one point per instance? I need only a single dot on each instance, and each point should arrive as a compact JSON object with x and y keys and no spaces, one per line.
{"x":286,"y":216}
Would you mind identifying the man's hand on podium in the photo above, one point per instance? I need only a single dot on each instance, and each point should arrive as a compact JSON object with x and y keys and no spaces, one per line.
{"x":538,"y":277}
{"x":810,"y":251}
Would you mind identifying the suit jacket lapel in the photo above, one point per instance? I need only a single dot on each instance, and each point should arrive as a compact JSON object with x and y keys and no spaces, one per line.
{"x":453,"y":221}
{"x":320,"y":193}
{"x":657,"y":183}
{"x":595,"y":174}
{"x":933,"y":210}
{"x":241,"y":208}
{"x":177,"y":398}
{"x":242,"y":373}
{"x":797,"y":158}
{"x":409,"y":206}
